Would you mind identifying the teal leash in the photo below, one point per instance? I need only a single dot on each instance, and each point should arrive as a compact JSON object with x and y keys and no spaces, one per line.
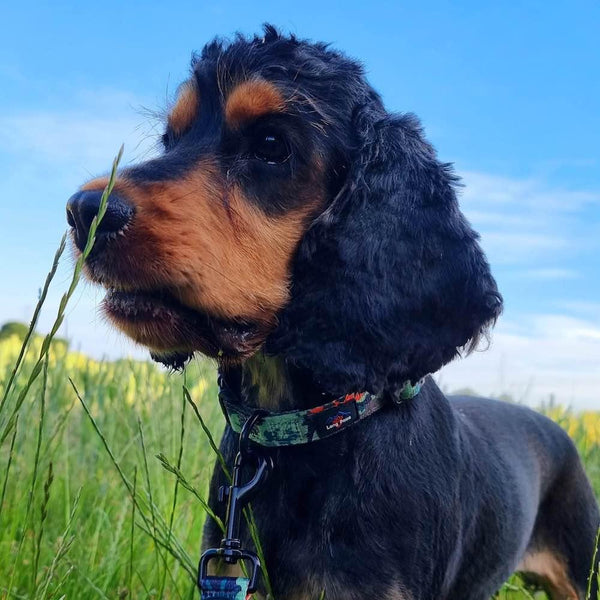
{"x":224,"y":588}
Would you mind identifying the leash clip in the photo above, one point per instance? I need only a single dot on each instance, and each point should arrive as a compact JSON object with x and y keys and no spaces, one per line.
{"x":238,"y":495}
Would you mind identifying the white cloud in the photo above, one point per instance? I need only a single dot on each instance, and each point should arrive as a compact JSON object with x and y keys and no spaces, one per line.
{"x":559,"y":355}
{"x":524,"y":222}
{"x":493,"y":191}
{"x":75,"y":137}
{"x":87,"y":135}
{"x":520,"y":248}
{"x":581,"y":308}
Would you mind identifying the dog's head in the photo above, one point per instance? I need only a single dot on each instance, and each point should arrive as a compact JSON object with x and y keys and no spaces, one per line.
{"x":289,"y":211}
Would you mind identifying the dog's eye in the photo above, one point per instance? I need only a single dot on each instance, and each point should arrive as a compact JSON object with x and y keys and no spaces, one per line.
{"x":270,"y":147}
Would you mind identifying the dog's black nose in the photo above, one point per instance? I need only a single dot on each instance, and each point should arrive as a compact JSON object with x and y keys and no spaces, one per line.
{"x":83,"y":206}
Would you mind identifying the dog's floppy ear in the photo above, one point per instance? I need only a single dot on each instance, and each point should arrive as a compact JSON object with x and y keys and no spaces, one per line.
{"x":390,"y":282}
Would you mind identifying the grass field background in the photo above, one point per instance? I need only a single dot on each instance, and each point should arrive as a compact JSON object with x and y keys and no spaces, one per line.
{"x":68,"y":525}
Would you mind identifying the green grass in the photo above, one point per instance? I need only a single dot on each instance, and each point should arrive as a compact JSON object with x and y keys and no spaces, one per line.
{"x":68,"y":523}
{"x":104,"y":470}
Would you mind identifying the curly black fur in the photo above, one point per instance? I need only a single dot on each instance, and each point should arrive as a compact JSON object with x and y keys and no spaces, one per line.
{"x":389,"y":283}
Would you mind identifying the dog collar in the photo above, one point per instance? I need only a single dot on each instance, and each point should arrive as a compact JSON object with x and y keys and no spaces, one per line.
{"x":294,"y":427}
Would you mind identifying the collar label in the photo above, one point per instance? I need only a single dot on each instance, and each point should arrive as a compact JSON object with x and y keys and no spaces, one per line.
{"x":334,"y":419}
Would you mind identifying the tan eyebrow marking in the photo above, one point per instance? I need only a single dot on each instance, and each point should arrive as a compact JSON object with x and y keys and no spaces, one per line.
{"x":250,"y":100}
{"x":185,"y":109}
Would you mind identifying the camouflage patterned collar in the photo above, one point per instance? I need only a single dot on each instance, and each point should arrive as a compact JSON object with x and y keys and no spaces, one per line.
{"x":293,"y":427}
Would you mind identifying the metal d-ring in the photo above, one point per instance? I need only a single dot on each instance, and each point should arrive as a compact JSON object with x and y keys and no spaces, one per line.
{"x":253,"y":420}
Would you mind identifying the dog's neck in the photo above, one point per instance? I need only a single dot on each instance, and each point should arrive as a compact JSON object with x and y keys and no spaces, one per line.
{"x":268,"y":382}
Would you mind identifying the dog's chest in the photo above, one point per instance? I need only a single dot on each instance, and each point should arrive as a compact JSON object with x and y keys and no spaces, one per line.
{"x":321,"y":535}
{"x":315,"y":587}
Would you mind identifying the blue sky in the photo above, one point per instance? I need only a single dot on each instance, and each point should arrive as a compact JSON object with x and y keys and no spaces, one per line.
{"x":509,"y":92}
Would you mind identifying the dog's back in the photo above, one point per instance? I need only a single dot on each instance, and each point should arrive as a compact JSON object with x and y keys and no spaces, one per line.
{"x":533,"y":463}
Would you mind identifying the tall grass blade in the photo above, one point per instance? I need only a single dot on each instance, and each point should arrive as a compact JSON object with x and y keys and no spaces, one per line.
{"x":36,"y":462}
{"x":176,"y":490}
{"x":159,"y":556}
{"x":8,"y":424}
{"x":64,"y":545}
{"x":179,"y":552}
{"x":208,"y":433}
{"x":190,"y":488}
{"x":131,"y":533}
{"x":191,"y":569}
{"x":593,"y":568}
{"x":34,"y":320}
{"x":43,"y":515}
{"x":7,"y":469}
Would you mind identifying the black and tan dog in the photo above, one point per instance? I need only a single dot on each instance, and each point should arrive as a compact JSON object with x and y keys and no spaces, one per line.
{"x":312,"y":243}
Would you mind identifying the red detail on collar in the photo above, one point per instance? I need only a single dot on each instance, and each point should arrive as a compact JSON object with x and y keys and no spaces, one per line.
{"x":354,"y":397}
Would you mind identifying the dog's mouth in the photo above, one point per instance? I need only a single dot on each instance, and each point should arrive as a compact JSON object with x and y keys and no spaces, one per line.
{"x":173,"y":331}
